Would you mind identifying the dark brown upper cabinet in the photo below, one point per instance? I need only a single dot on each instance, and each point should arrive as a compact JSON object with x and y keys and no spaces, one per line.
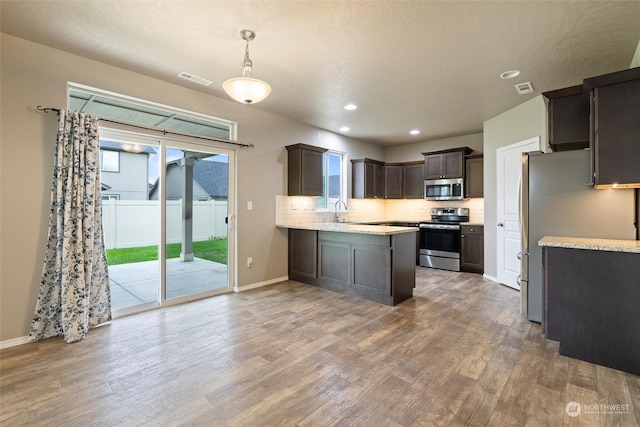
{"x":474,"y":176}
{"x":445,"y":163}
{"x":568,"y":118}
{"x":399,"y":181}
{"x":367,"y":178}
{"x":413,"y":180}
{"x":615,"y":128}
{"x":393,"y":180}
{"x":304,"y":170}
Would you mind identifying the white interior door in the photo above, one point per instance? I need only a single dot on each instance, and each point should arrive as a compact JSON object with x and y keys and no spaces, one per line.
{"x":509,"y":174}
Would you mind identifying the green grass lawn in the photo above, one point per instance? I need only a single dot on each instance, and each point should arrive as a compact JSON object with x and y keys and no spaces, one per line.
{"x":213,"y":250}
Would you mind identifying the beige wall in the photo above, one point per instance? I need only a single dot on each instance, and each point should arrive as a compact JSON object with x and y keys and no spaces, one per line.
{"x":411,"y":152}
{"x":33,"y":75}
{"x":635,"y":62}
{"x":525,"y":121}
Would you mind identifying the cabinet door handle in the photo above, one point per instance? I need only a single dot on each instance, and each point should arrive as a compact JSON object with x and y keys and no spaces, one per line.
{"x":462,"y":235}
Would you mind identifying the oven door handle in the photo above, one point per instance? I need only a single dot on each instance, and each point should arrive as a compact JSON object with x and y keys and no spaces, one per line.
{"x":440,"y":226}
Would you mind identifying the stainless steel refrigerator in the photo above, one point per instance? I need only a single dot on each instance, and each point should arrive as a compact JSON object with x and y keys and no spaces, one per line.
{"x":557,"y":201}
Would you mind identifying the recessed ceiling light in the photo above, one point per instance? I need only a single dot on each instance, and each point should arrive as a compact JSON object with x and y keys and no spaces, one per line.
{"x":510,"y":74}
{"x":344,"y":129}
{"x":350,"y":107}
{"x":414,"y":132}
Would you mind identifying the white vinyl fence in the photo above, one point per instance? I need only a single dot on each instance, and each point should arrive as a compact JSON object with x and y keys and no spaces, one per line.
{"x":133,"y":223}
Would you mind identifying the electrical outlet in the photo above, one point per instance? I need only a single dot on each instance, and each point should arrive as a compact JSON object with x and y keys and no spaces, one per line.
{"x":250,"y":262}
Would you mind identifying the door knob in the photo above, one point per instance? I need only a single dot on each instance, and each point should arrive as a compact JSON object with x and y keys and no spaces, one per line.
{"x":501,"y":224}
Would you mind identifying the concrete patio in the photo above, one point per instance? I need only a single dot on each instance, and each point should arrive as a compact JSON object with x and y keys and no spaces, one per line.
{"x":137,"y":283}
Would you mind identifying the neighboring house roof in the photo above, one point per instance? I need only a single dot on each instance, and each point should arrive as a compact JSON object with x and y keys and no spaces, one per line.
{"x":212,"y":176}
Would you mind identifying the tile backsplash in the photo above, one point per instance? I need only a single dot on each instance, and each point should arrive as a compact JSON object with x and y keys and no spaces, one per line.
{"x":301,"y":210}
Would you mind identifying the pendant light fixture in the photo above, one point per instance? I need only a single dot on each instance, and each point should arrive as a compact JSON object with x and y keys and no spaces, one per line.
{"x":246,"y":89}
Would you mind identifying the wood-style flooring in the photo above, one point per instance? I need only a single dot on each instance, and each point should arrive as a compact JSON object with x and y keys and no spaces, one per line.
{"x":458,"y":353}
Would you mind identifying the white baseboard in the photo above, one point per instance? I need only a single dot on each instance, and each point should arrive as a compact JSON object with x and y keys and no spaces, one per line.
{"x":493,"y":279}
{"x":14,"y":342}
{"x":260,"y":284}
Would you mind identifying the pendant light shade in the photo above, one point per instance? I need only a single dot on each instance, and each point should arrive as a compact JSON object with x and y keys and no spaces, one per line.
{"x":246,"y":89}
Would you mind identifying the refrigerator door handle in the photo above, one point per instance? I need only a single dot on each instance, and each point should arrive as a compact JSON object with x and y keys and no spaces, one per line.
{"x":523,"y":214}
{"x":524,"y":284}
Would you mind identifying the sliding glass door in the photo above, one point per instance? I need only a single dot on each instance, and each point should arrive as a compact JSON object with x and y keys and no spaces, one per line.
{"x":167,"y":204}
{"x":131,"y":221}
{"x":196,"y":205}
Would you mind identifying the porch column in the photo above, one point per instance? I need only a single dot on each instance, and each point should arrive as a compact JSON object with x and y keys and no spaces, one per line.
{"x":186,"y":253}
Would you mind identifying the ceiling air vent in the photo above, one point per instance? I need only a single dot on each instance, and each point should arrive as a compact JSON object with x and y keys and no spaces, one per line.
{"x":524,"y":88}
{"x":195,"y":79}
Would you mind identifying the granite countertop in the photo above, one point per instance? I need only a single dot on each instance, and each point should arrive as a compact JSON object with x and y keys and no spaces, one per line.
{"x":344,"y":227}
{"x":382,"y":221}
{"x":609,"y":245}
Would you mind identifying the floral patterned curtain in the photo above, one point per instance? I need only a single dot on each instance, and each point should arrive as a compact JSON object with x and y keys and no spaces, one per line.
{"x":74,"y":290}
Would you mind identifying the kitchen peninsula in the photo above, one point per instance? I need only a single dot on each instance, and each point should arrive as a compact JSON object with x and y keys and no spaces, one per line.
{"x":592,"y":295}
{"x":374,"y":262}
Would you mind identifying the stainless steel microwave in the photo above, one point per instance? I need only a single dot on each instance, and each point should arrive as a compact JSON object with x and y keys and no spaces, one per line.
{"x":444,"y":189}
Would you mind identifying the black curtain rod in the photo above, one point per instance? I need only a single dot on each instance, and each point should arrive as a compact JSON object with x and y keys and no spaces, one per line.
{"x":164,"y":131}
{"x":47,"y":109}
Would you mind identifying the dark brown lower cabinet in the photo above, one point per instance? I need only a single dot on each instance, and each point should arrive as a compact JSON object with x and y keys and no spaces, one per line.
{"x":472,"y":248}
{"x":303,"y":254}
{"x":592,"y":301}
{"x":379,"y":268}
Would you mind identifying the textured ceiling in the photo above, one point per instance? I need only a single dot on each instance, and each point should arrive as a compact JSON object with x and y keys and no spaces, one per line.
{"x":428,"y":65}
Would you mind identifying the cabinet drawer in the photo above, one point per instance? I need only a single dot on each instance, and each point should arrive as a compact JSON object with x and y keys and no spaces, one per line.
{"x":472,"y":229}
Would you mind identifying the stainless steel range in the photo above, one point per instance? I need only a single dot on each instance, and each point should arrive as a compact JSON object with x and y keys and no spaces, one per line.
{"x":440,"y":238}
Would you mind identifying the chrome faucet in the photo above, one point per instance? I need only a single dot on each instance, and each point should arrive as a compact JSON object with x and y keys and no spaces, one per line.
{"x":335,"y":215}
